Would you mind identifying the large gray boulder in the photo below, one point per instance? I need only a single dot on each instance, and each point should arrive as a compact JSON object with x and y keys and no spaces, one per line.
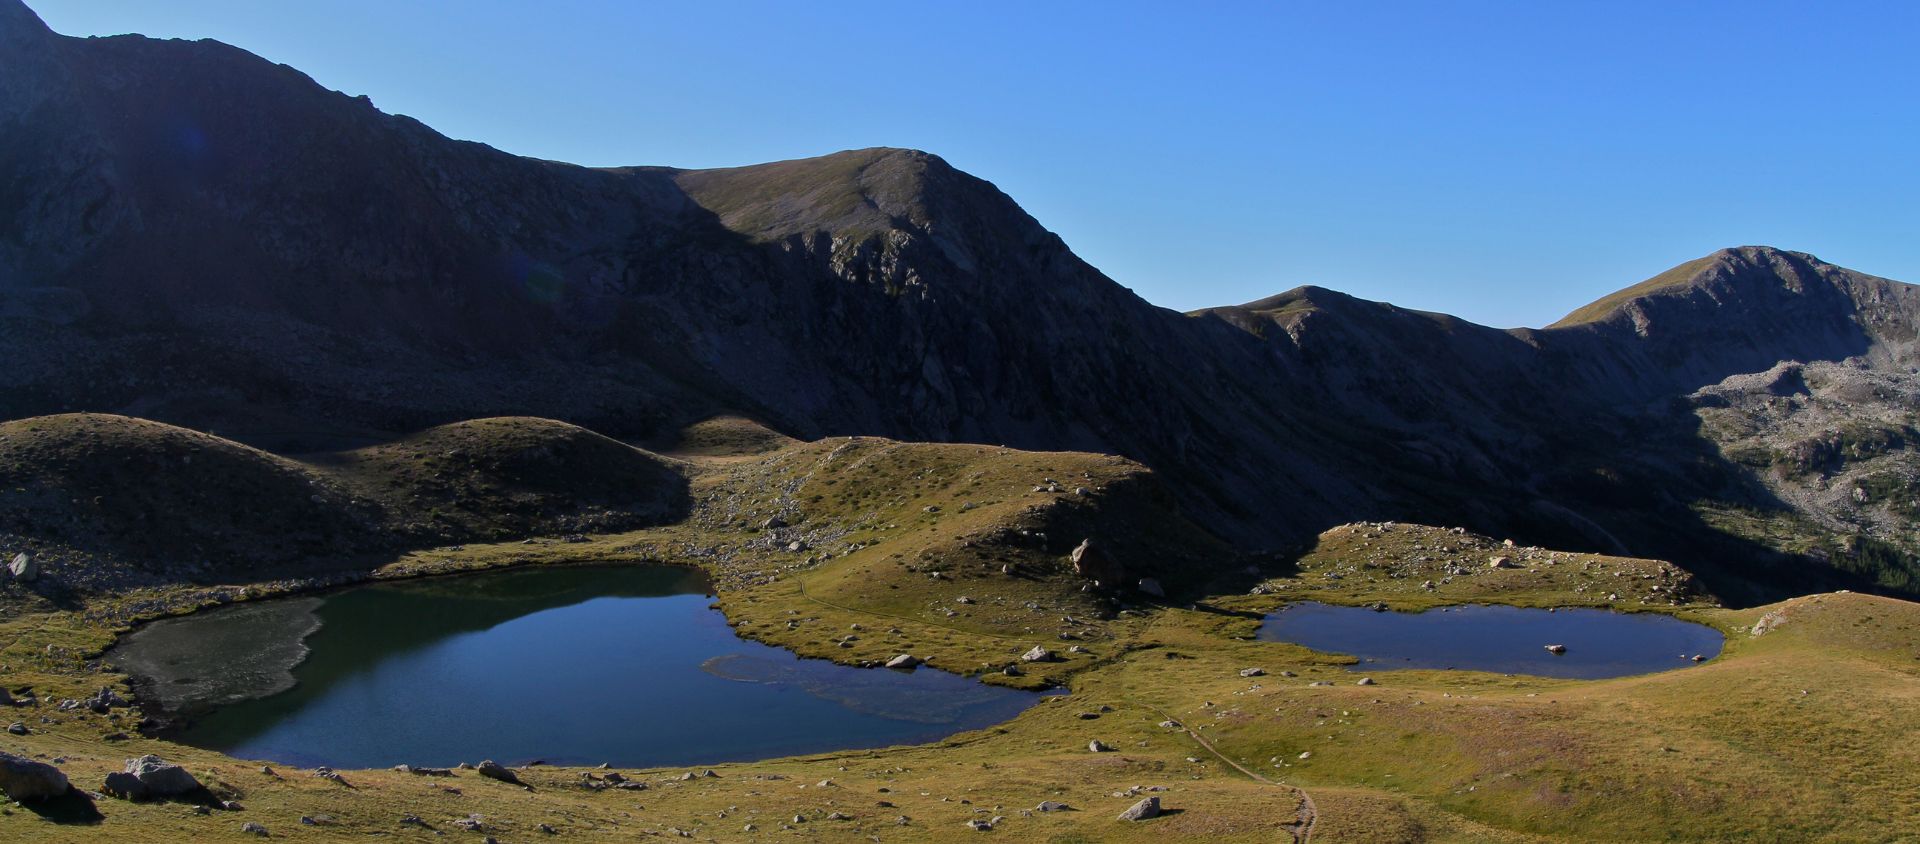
{"x":494,"y":770}
{"x":1092,"y":562}
{"x":1148,"y":808}
{"x":150,"y":777}
{"x":25,"y":780}
{"x":23,"y":568}
{"x":1038,"y":654}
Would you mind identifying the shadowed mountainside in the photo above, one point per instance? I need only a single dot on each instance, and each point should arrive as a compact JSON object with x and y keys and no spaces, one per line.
{"x":198,"y":236}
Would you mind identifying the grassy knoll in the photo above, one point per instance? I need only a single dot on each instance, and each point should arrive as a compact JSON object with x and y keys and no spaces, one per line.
{"x":832,"y":549}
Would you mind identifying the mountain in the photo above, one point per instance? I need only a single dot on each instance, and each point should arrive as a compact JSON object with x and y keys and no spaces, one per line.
{"x":198,"y":236}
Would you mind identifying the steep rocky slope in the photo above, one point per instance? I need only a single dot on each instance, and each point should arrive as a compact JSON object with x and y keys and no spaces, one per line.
{"x":198,"y":236}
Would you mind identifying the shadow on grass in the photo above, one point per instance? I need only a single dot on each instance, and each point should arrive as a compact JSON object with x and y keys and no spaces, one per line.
{"x":73,"y":808}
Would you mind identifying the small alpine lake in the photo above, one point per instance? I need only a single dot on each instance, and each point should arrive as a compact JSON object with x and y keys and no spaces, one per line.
{"x":1502,"y":639}
{"x":580,"y":665}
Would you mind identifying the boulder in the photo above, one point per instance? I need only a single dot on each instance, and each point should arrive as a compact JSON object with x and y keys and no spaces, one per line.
{"x":1038,"y":654}
{"x":1151,"y":586}
{"x":125,"y":786}
{"x":494,"y":770}
{"x":1098,"y":746}
{"x":151,"y":777}
{"x":26,"y":780}
{"x":903,"y":661}
{"x":252,"y":828}
{"x":23,"y":568}
{"x":1143,"y":810}
{"x":1094,"y":563}
{"x":1051,"y":806}
{"x":1252,"y":672}
{"x":1556,"y":649}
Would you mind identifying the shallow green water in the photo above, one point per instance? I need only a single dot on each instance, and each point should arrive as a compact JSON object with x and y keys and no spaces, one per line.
{"x":575,"y":665}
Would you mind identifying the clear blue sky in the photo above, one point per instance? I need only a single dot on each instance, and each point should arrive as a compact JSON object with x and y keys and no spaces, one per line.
{"x":1502,"y":161}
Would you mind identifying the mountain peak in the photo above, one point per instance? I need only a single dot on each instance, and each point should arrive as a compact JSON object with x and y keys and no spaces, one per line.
{"x":852,"y":190}
{"x":1732,"y":267}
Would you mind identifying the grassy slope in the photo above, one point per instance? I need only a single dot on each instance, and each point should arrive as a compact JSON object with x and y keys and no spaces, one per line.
{"x":108,"y":501}
{"x":1604,"y":307}
{"x":1731,"y":750}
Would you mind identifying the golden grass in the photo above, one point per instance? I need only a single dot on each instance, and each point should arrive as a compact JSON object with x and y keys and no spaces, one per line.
{"x":1802,"y":733}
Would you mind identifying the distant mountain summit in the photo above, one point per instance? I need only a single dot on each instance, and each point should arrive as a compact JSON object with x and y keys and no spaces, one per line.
{"x":201,"y":237}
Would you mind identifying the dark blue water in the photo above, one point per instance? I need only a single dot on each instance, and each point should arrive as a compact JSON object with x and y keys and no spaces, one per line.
{"x":1507,"y":640}
{"x":580,"y":665}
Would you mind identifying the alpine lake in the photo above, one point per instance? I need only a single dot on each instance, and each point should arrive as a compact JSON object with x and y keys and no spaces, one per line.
{"x":568,"y":665}
{"x":1574,"y":643}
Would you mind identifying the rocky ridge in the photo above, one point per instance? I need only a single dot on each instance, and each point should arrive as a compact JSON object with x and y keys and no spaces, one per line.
{"x":204,"y":238}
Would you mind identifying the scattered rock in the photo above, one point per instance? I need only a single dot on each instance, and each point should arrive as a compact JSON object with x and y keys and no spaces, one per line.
{"x":496,"y":771}
{"x":1038,"y":654}
{"x":1253,"y":672}
{"x":150,"y":777}
{"x":1098,"y":746}
{"x":1556,"y":649}
{"x":17,"y":728}
{"x":1151,"y":586}
{"x":1051,"y":806}
{"x":1365,"y":681}
{"x":978,"y":825}
{"x":1143,"y":810}
{"x":26,"y":780}
{"x":23,"y":568}
{"x":1092,"y":562}
{"x":252,"y":828}
{"x":1500,"y":563}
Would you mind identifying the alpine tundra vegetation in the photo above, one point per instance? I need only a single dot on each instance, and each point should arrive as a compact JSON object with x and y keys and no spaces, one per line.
{"x":262,"y":343}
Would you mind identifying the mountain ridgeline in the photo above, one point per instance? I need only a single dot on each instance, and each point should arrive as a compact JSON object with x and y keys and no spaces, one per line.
{"x":192,"y":234}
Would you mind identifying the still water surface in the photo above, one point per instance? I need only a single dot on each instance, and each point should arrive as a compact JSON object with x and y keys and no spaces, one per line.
{"x":1508,"y":640}
{"x":578,"y":665}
